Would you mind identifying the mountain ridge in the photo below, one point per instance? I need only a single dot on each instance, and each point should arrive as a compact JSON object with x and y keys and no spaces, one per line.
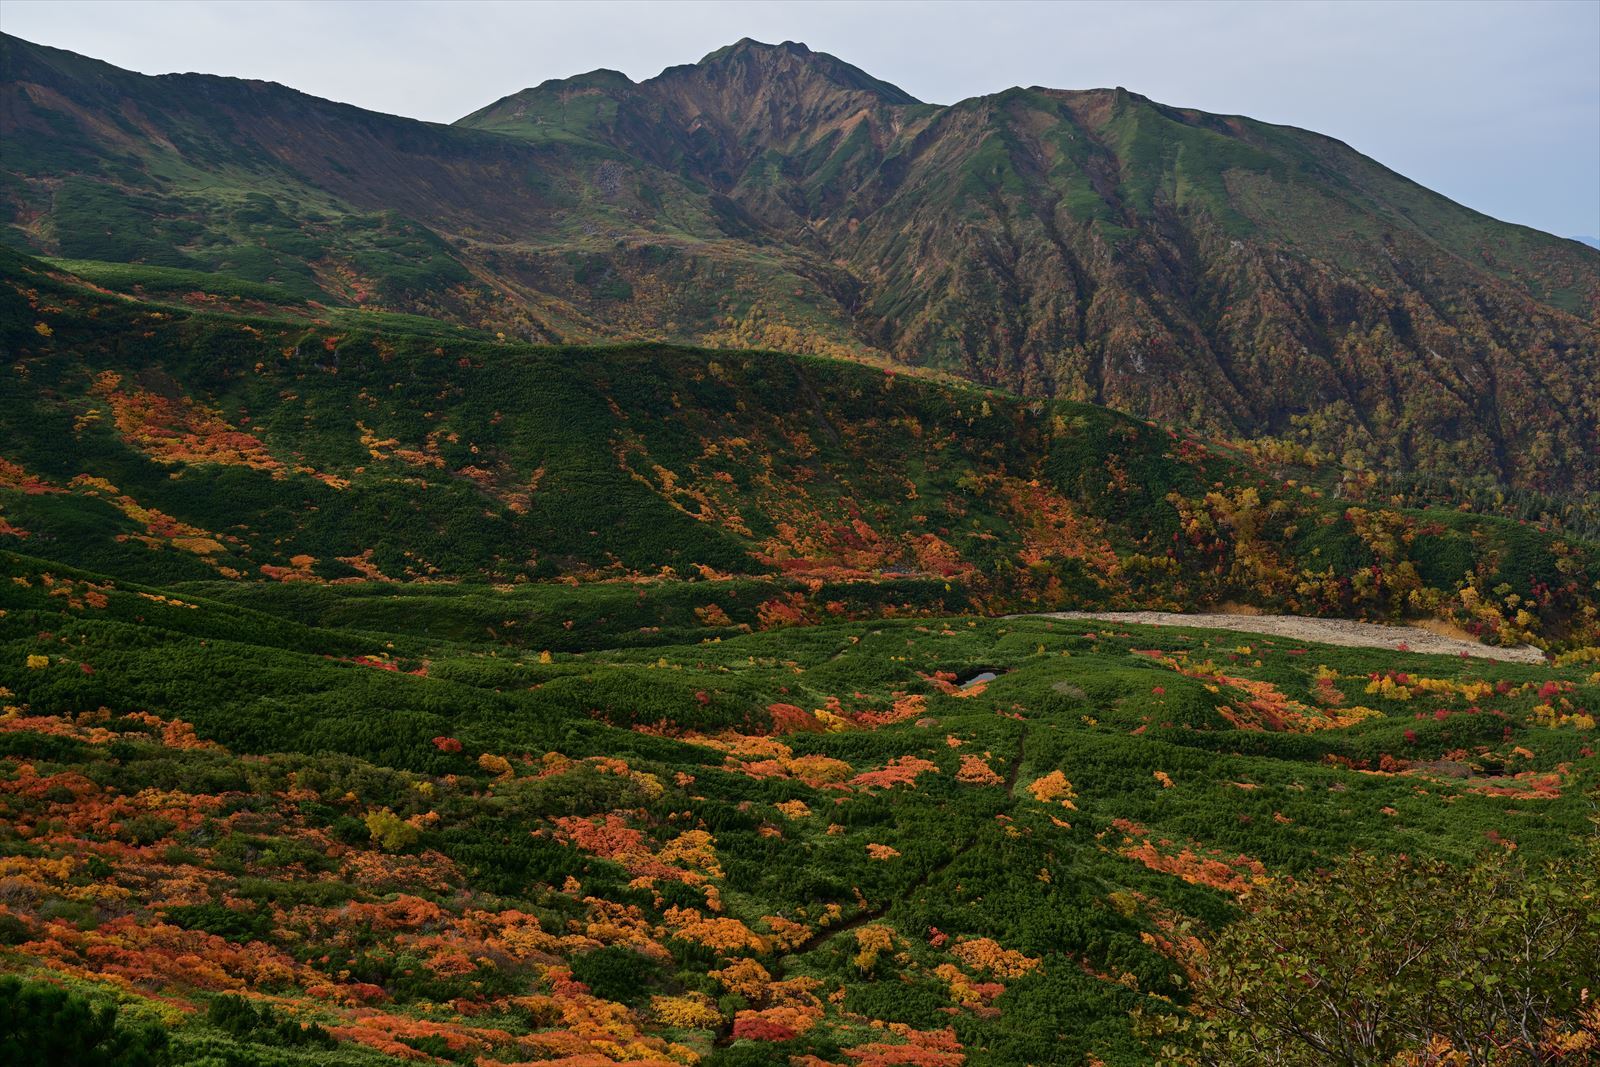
{"x":1247,"y":279}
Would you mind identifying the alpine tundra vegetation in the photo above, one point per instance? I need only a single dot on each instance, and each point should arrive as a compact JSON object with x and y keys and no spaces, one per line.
{"x":572,"y":586}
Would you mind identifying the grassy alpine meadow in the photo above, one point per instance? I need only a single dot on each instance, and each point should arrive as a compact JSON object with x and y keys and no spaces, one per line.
{"x":372,"y":689}
{"x":278,"y":832}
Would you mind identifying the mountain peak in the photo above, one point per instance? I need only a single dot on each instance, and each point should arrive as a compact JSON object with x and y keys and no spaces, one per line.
{"x":748,"y":85}
{"x":1238,"y":278}
{"x":748,"y":45}
{"x":756,"y":62}
{"x":600,"y":78}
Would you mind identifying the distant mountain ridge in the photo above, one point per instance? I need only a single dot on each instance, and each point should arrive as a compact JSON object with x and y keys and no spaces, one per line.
{"x":1246,"y":279}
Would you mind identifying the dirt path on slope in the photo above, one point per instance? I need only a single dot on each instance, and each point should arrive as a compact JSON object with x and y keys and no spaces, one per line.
{"x":1326,"y":631}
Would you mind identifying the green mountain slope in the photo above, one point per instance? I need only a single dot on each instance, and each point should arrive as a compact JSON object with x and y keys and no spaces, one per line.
{"x":244,"y":440}
{"x":1209,"y":271}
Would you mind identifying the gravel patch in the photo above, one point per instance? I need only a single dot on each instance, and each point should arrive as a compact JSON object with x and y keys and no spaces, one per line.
{"x":1325,"y":631}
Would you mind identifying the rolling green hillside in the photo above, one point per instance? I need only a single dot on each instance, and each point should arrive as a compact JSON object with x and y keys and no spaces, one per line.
{"x":227,"y":438}
{"x":1213,"y":272}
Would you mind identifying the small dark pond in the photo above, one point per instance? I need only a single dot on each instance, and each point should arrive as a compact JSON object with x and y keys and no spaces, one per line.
{"x":977,"y":676}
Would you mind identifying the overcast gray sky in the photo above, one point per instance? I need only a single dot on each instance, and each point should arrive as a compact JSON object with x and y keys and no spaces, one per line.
{"x":1496,"y":105}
